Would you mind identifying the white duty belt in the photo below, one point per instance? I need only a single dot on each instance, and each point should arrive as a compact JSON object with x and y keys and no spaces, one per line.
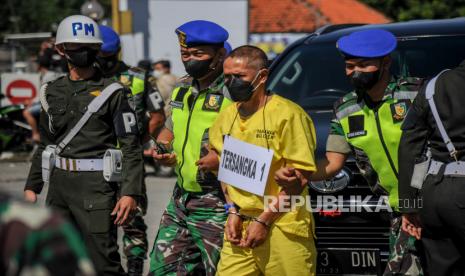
{"x":79,"y":165}
{"x":84,"y":164}
{"x":456,"y":169}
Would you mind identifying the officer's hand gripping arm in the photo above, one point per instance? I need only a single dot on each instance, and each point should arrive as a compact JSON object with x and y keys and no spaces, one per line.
{"x":330,"y":166}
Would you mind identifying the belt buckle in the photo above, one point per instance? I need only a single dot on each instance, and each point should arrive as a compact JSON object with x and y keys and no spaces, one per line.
{"x":71,"y":165}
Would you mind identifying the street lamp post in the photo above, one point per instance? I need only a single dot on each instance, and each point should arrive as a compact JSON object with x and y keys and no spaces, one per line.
{"x":93,"y":9}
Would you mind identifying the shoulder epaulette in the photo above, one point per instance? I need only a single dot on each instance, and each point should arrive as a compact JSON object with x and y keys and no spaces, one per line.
{"x":411,"y":81}
{"x":348,"y":98}
{"x":185,"y":81}
{"x":137,"y":72}
{"x":60,"y":78}
{"x":346,"y":105}
{"x":408,"y":88}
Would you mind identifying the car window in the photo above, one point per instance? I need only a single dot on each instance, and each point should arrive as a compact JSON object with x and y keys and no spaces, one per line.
{"x":313,"y":75}
{"x":426,"y":56}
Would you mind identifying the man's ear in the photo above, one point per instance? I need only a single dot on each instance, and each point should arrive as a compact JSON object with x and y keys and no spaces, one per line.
{"x":60,"y":49}
{"x":222,"y":53}
{"x":219,"y":58}
{"x":264,"y":75}
{"x":387,"y":61}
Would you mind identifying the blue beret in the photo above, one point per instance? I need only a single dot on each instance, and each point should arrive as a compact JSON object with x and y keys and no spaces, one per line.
{"x":228,"y":47}
{"x":111,"y":43}
{"x":367,"y":44}
{"x":201,"y":32}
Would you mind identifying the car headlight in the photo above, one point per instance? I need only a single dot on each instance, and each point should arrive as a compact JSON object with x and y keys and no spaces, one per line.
{"x":337,"y":183}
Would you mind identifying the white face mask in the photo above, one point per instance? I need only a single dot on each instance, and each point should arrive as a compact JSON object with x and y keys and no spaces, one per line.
{"x":157,"y":73}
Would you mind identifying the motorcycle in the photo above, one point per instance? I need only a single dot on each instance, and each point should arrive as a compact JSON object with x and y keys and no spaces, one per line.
{"x":14,"y":131}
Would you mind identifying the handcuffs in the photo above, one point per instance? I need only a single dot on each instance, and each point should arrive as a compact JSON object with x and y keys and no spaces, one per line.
{"x":228,"y":206}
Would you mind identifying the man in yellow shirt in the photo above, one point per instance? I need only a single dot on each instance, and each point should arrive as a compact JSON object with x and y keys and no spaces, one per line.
{"x":261,"y":238}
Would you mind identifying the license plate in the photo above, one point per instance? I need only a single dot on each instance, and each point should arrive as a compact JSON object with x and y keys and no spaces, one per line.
{"x":352,"y":261}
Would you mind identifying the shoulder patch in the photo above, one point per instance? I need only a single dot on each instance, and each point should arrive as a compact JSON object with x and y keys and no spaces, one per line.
{"x":213,"y":102}
{"x":399,"y":110}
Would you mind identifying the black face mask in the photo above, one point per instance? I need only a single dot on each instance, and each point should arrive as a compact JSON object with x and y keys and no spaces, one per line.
{"x":107,"y":64}
{"x":241,"y":90}
{"x":83,"y":57}
{"x":364,"y":81}
{"x":198,"y":68}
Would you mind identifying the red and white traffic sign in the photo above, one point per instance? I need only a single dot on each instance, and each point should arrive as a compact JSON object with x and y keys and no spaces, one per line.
{"x":19,"y":88}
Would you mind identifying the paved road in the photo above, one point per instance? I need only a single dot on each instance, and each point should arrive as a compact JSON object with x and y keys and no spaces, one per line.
{"x":13,"y":177}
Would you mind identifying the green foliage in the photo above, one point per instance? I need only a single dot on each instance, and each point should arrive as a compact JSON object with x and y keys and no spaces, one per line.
{"x":403,"y":10}
{"x":39,"y":15}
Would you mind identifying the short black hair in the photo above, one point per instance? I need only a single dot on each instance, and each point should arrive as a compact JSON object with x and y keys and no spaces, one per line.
{"x":255,"y":55}
{"x":145,"y":64}
{"x":165,"y":63}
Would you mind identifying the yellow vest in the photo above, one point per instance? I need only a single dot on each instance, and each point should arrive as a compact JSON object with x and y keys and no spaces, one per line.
{"x":374,"y":135}
{"x":192,"y":117}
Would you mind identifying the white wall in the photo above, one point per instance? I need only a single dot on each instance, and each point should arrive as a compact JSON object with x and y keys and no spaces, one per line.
{"x":166,"y":15}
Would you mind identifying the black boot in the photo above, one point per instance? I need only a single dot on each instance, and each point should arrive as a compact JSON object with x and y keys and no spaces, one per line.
{"x":135,"y":266}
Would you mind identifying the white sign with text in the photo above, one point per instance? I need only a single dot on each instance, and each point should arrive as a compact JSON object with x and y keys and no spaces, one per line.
{"x":245,"y":166}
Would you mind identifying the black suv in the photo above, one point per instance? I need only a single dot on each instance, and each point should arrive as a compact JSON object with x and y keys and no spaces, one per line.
{"x":311,"y":73}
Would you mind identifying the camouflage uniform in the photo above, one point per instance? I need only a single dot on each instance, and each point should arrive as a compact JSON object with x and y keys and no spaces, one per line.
{"x":135,"y":243}
{"x":184,"y":243}
{"x":190,"y":236}
{"x":403,"y":257}
{"x":35,"y":241}
{"x":144,"y":98}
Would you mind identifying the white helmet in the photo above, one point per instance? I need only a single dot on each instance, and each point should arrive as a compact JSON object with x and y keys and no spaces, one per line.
{"x":78,"y":29}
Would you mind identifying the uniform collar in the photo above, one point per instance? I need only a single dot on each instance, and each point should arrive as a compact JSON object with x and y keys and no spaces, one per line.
{"x":119,"y":69}
{"x":391,"y":88}
{"x":216,"y":86}
{"x":84,"y":85}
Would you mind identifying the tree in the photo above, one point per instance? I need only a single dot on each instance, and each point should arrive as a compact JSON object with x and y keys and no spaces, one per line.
{"x":403,"y":10}
{"x":23,"y":16}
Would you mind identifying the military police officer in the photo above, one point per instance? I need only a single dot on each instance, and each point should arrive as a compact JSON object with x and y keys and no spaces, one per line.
{"x":435,"y":210}
{"x":190,"y":235}
{"x":143,"y":99}
{"x":367,"y":123}
{"x":84,"y":117}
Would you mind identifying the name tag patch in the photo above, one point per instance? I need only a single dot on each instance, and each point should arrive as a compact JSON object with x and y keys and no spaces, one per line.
{"x":176,"y":104}
{"x":357,"y":134}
